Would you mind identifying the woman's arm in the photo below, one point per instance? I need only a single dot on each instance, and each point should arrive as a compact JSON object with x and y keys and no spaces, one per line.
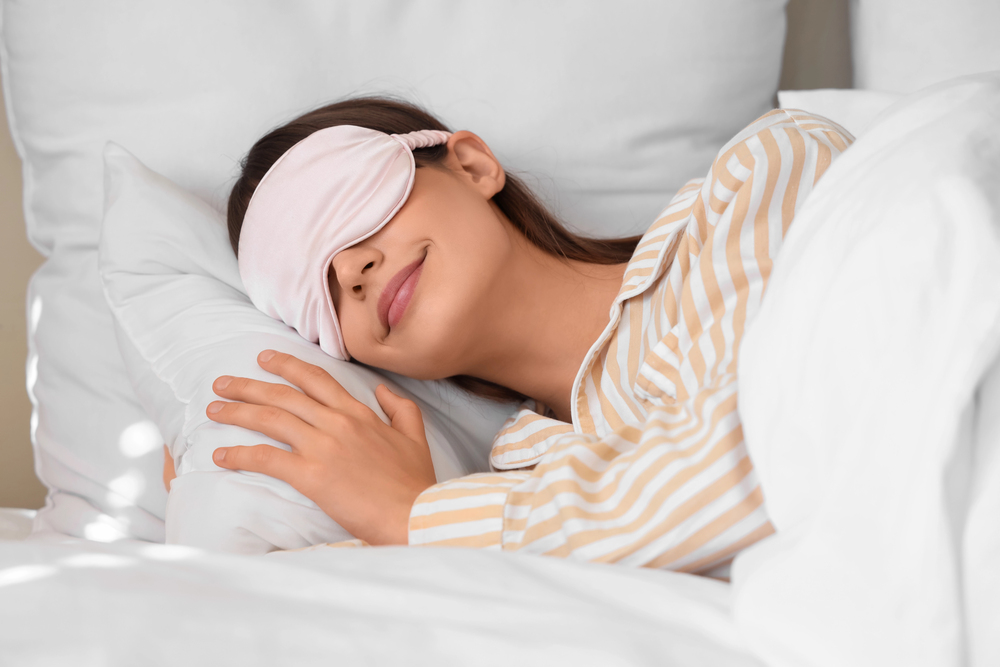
{"x":678,"y":492}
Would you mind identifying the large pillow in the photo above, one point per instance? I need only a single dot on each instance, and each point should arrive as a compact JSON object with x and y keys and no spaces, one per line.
{"x":878,"y":457}
{"x":609,"y":111}
{"x":902,"y":46}
{"x":183,"y":319}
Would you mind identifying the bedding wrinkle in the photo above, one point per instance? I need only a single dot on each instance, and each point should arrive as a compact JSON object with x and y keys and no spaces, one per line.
{"x":653,"y":471}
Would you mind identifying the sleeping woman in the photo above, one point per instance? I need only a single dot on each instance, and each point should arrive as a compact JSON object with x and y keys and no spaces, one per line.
{"x":376,"y":232}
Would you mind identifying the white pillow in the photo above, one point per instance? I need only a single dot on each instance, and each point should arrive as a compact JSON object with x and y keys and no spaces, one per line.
{"x":854,"y":110}
{"x":857,"y":384}
{"x":173,"y":285}
{"x":904,"y":45}
{"x":610,"y":111}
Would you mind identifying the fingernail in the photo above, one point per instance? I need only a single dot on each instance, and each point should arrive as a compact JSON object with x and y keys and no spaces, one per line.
{"x":223,"y":381}
{"x":266,"y":355}
{"x":215,"y":406}
{"x":219,"y":455}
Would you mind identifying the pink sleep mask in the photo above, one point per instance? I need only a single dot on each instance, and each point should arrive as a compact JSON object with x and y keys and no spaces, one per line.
{"x":332,"y":190}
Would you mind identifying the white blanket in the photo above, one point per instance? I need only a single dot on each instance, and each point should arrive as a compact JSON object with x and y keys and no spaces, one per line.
{"x":69,"y":602}
{"x":870,"y":401}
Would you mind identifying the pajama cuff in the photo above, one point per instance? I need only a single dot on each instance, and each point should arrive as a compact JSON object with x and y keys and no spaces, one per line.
{"x":463,"y":512}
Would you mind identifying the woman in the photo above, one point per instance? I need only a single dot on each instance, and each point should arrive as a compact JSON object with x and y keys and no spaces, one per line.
{"x":374,"y":231}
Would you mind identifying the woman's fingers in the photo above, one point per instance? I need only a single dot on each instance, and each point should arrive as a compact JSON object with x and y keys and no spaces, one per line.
{"x":268,"y":393}
{"x":403,"y":413}
{"x":315,"y":382}
{"x":272,"y":421}
{"x":264,"y":459}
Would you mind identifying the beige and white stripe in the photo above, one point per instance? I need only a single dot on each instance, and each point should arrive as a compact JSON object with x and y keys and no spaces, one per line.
{"x":653,"y":470}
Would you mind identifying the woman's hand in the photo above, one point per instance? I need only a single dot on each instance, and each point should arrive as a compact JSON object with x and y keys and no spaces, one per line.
{"x":362,"y":472}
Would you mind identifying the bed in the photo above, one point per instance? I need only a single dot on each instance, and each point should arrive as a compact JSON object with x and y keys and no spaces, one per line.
{"x":870,"y":386}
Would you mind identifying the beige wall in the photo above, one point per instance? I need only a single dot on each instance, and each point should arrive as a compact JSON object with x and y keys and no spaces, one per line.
{"x":818,"y":45}
{"x":817,"y":55}
{"x":18,"y":485}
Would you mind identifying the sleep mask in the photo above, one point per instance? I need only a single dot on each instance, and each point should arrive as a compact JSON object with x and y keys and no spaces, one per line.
{"x":332,"y":190}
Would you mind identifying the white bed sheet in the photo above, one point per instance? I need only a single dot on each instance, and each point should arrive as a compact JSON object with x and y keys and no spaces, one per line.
{"x":132,"y":603}
{"x":15,"y":523}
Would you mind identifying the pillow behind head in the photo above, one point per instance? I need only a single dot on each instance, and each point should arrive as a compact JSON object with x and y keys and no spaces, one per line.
{"x":183,"y":319}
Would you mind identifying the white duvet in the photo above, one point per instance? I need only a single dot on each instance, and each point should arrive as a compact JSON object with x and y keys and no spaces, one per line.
{"x":71,"y":602}
{"x":871,"y":406}
{"x":870,"y":397}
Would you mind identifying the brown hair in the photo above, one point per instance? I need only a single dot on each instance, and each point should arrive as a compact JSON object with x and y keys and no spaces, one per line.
{"x":392,"y":116}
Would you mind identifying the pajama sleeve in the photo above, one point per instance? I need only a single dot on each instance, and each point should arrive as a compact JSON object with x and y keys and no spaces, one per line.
{"x":668,"y":483}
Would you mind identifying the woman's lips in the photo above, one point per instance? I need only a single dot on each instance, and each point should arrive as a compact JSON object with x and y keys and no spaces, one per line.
{"x":397,"y":293}
{"x":403,"y":297}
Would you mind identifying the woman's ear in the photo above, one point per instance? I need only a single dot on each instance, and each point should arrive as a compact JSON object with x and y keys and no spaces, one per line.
{"x":472,"y":159}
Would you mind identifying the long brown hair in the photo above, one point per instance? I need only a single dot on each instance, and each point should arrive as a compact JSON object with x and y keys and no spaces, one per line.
{"x":393,"y":116}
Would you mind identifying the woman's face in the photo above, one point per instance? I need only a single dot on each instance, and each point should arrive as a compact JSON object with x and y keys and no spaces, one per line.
{"x":413,"y":298}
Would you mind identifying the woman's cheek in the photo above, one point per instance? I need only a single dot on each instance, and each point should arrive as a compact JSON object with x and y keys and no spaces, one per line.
{"x":445,"y":330}
{"x":358,"y":339}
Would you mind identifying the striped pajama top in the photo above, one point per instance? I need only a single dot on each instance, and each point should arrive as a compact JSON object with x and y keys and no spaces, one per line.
{"x":653,"y":471}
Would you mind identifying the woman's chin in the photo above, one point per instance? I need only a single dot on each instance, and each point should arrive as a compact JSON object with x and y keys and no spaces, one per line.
{"x":422,"y":348}
{"x":411,"y":363}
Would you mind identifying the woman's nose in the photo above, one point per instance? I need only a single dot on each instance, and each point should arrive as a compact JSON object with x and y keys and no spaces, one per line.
{"x":353,"y":268}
